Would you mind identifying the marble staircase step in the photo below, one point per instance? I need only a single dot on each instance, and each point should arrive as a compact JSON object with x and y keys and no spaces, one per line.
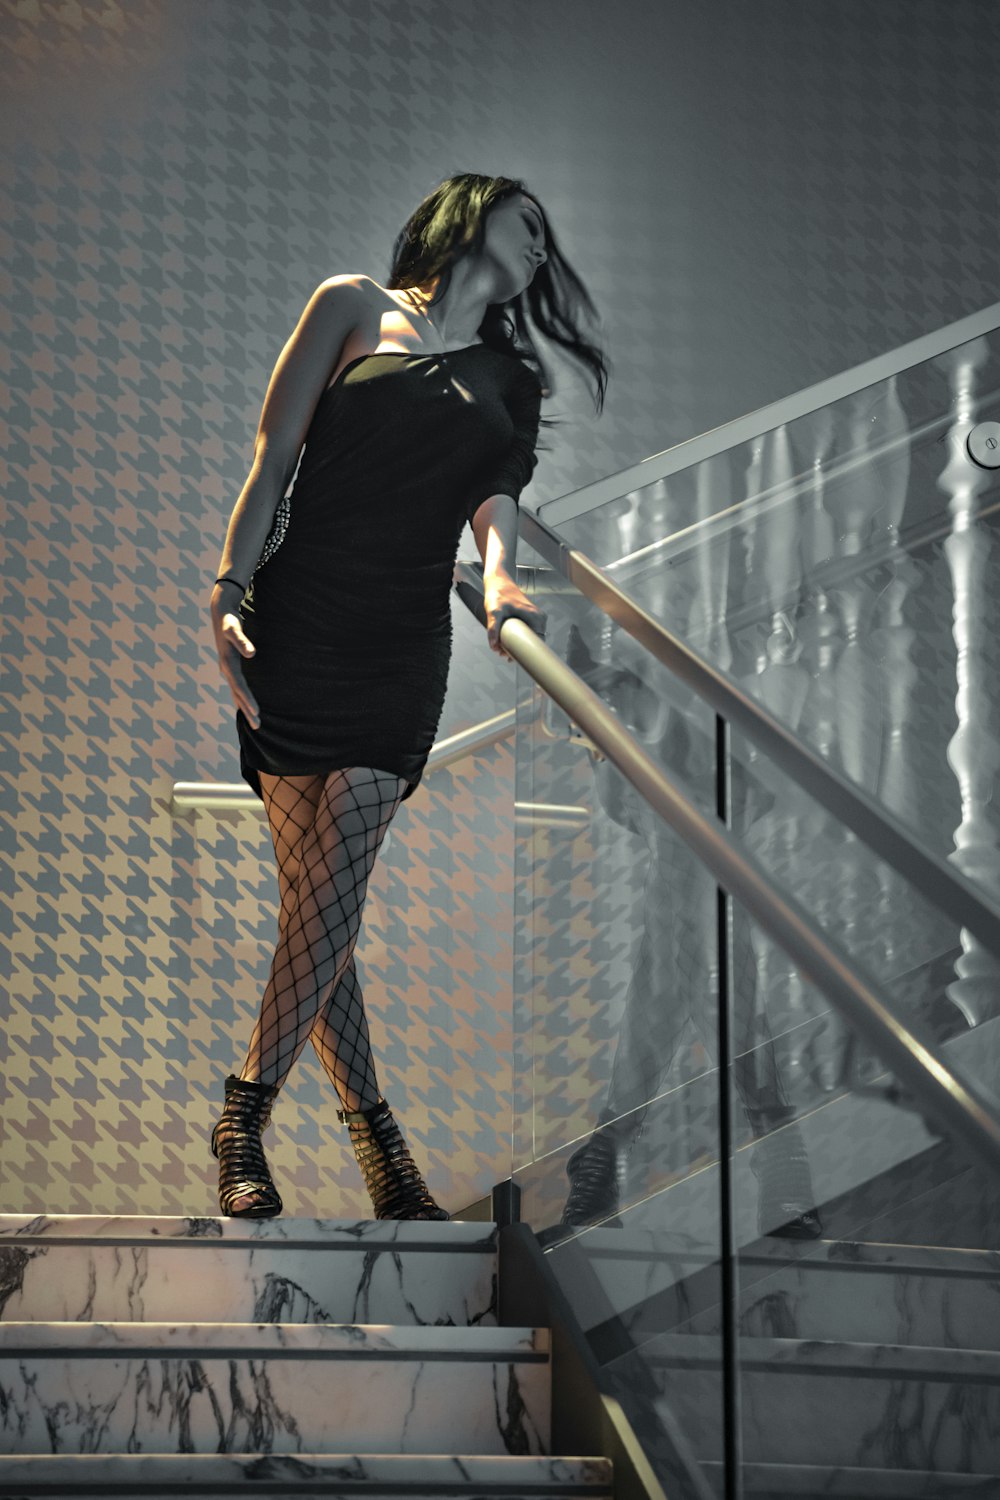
{"x":629,"y":1285}
{"x":821,"y":1402}
{"x":867,"y":1293}
{"x":829,"y":1357}
{"x":812,"y":1482}
{"x":70,"y":1267}
{"x":129,"y":1387}
{"x":370,"y":1476}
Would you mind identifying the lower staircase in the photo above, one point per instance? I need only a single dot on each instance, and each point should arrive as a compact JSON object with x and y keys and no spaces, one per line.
{"x":869,"y":1359}
{"x":867,"y":1372}
{"x":205,"y":1357}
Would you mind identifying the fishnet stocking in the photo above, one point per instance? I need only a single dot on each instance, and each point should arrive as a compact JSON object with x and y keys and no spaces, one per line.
{"x":326,"y":832}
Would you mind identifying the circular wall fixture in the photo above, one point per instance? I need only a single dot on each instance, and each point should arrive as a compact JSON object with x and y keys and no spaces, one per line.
{"x":983,"y":444}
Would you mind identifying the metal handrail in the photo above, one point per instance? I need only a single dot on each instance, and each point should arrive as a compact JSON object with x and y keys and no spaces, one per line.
{"x":766,"y":418}
{"x":943,"y":885}
{"x":965,"y":1107}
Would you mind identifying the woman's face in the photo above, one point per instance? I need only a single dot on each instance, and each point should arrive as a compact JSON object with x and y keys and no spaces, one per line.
{"x":514,"y":241}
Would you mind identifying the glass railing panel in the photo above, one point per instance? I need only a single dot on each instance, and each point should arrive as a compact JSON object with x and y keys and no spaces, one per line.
{"x":938,"y":978}
{"x":864,"y":1233}
{"x":829,"y":1142}
{"x":876,"y":459}
{"x":863,"y":1230}
{"x":614,"y":1000}
{"x":588,"y":863}
{"x":844,"y":570}
{"x":616,"y":1017}
{"x":865,"y":1276}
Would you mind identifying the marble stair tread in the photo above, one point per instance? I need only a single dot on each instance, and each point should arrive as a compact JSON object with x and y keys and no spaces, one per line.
{"x":272,"y":1341}
{"x":865,"y":1293}
{"x":830,"y":1357}
{"x":653,"y":1246}
{"x":628,"y":1285}
{"x":283,"y":1387}
{"x":870,"y":1255}
{"x":884,"y":1406}
{"x":608,"y":1271}
{"x":848,"y":1139}
{"x":228,"y":1270}
{"x":333,"y":1234}
{"x":368,"y":1475}
{"x":846,"y":1482}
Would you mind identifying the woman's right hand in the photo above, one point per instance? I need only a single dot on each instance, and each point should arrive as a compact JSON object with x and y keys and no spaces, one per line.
{"x":232,"y":645}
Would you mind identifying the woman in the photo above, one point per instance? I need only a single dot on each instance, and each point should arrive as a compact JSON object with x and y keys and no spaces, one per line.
{"x":332,"y":620}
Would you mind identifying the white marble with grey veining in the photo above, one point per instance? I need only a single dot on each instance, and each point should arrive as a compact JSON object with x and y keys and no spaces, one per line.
{"x":453,"y":1233}
{"x":847,"y":1482}
{"x":462,"y":1476}
{"x":275,"y":1270}
{"x":841,"y":1404}
{"x":273,"y":1340}
{"x":883,"y":1294}
{"x":272,"y":1388}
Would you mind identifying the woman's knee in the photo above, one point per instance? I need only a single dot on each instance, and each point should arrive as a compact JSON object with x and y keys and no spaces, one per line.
{"x":363,"y":787}
{"x":356,"y":802}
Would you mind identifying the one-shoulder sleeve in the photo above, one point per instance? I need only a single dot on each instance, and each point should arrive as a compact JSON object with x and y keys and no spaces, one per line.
{"x":509,"y":474}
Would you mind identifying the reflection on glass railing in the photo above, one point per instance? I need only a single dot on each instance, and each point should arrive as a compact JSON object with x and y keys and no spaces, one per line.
{"x":974,"y":749}
{"x":844,"y":570}
{"x":618,"y":991}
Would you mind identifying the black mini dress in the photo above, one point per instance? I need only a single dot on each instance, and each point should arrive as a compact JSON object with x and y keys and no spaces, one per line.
{"x":349,"y":613}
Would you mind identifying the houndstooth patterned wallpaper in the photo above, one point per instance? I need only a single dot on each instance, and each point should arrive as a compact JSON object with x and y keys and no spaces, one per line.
{"x":756,"y":196}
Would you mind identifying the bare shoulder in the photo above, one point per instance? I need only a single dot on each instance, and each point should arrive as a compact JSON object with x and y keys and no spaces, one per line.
{"x":353,"y":282}
{"x":367,"y":298}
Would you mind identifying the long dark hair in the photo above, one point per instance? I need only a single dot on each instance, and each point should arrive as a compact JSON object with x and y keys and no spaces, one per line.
{"x":450,"y":223}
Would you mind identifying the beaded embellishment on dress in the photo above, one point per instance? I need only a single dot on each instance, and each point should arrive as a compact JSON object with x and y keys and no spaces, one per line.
{"x":276,"y":535}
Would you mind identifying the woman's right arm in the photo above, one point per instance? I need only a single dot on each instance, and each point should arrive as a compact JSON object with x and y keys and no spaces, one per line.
{"x":300,"y":376}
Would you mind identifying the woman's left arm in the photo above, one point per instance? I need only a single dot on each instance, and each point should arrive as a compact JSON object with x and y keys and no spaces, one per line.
{"x":492,"y":512}
{"x":494,"y":526}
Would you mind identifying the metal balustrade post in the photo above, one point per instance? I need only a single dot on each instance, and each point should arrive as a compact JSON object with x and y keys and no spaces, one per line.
{"x":732,"y":1425}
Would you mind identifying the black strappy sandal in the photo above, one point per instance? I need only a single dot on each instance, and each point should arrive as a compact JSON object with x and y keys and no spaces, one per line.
{"x":394,"y":1185}
{"x":243,"y":1170}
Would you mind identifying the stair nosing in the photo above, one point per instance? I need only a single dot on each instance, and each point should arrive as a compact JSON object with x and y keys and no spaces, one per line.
{"x":831,"y":1357}
{"x":113,"y":1339}
{"x":819,"y":1255}
{"x":885,"y":1482}
{"x":586,"y":1475}
{"x":456,"y":1236}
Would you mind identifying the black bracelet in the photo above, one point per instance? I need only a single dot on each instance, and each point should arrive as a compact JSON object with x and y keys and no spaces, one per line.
{"x":228,"y":578}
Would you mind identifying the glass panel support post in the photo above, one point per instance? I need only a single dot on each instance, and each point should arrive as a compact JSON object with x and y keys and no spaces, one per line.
{"x":506,"y":1203}
{"x":732,"y":1426}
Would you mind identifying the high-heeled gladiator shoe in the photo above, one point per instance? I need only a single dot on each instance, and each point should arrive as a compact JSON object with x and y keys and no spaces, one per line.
{"x":394,"y":1185}
{"x":786,"y":1205}
{"x":594,"y":1174}
{"x":595,"y":1171}
{"x":243,"y":1171}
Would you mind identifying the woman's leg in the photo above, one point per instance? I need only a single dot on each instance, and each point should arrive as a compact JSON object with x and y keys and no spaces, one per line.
{"x":326,"y":833}
{"x":290,"y":803}
{"x":313,"y":990}
{"x":340,"y":1032}
{"x":340,"y":1037}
